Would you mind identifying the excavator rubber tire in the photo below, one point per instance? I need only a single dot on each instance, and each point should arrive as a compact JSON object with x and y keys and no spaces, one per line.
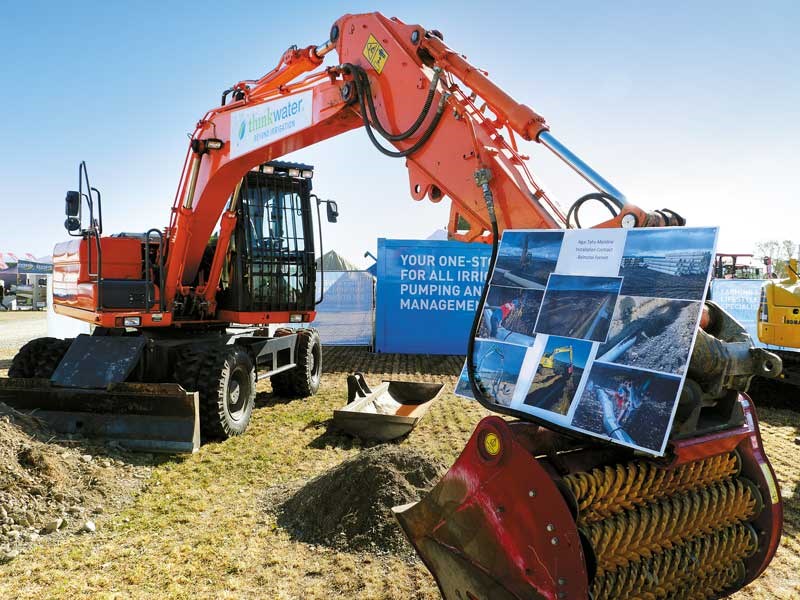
{"x":39,"y":358}
{"x":304,"y":379}
{"x":226,"y":383}
{"x":187,"y":366}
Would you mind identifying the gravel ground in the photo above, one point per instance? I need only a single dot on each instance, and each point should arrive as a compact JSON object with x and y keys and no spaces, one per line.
{"x":19,"y":327}
{"x":197,"y":528}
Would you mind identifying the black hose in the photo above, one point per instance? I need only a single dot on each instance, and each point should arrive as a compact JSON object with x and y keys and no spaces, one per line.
{"x":363,"y":89}
{"x":474,"y":382}
{"x":361,"y":75}
{"x":409,"y":151}
{"x":606,"y":200}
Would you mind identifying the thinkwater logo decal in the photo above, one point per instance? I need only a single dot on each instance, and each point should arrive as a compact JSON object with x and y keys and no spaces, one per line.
{"x":261,"y":125}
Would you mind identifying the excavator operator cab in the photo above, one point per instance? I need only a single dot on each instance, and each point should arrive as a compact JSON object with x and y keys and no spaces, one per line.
{"x":272,"y":256}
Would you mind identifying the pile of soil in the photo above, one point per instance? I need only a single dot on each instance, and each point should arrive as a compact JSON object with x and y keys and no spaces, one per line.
{"x":349,"y":507}
{"x":46,"y":488}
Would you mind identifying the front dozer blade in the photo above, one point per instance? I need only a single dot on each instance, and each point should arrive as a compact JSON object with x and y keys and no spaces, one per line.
{"x":148,"y":417}
{"x":496,"y":527}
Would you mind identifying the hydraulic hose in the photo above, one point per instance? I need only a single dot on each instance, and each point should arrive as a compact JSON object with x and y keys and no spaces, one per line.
{"x":363,"y":89}
{"x":607,"y":200}
{"x":482,"y":177}
{"x":365,"y":86}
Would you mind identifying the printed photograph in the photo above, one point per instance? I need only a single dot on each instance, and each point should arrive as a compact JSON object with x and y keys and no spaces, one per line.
{"x":497,"y":368}
{"x":627,"y":405}
{"x":526,"y":258}
{"x":650,"y":333}
{"x":558,"y":374}
{"x":667,"y":263}
{"x":509,"y":314}
{"x":578,"y":307}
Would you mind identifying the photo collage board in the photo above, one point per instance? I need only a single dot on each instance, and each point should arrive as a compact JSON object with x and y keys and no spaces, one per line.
{"x":592,"y":329}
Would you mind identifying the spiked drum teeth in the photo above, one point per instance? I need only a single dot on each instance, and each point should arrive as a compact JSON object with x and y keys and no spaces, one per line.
{"x":657,"y":533}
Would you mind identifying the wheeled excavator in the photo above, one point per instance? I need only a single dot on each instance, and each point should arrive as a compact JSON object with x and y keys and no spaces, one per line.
{"x":527,"y":510}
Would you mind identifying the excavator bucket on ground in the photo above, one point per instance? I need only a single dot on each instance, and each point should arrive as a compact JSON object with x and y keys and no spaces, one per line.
{"x":148,"y":417}
{"x":79,"y":387}
{"x":386,"y":412}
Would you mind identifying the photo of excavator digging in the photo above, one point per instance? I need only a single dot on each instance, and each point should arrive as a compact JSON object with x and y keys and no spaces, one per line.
{"x":668,"y":263}
{"x":578,"y":307}
{"x":558,"y":374}
{"x":510,"y":314}
{"x":526,"y":258}
{"x":498,"y":366}
{"x":627,"y":405}
{"x":650,"y":333}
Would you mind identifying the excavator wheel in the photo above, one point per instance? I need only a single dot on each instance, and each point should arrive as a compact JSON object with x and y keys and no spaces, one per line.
{"x":304,"y":379}
{"x":39,"y":358}
{"x":226,"y":382}
{"x":187,"y":366}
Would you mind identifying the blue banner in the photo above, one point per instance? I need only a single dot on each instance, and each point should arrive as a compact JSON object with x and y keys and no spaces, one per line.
{"x":428,"y":292}
{"x":34,"y":268}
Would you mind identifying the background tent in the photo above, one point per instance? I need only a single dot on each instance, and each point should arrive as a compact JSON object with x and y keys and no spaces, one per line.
{"x":332,"y":261}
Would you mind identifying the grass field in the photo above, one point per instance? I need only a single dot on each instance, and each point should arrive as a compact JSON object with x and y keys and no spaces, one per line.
{"x":200,"y":528}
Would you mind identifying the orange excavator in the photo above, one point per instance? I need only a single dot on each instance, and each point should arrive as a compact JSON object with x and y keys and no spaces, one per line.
{"x":527,"y":511}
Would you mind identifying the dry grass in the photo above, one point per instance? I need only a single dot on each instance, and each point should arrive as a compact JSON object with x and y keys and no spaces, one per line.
{"x":199,"y":529}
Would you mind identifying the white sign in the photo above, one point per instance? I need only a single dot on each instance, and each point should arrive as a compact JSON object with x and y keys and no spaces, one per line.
{"x":260,"y":125}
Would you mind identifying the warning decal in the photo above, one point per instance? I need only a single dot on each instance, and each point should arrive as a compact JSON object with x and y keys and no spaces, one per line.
{"x":375,"y":54}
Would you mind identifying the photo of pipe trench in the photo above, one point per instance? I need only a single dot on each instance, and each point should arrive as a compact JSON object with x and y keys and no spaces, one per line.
{"x":578,"y":307}
{"x":650,"y":333}
{"x":627,"y":405}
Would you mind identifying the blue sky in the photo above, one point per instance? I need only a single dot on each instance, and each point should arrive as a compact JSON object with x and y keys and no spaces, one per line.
{"x":546,"y":245}
{"x":580,"y":349}
{"x":570,"y":283}
{"x":687,"y":105}
{"x":494,"y":356}
{"x":644,"y":242}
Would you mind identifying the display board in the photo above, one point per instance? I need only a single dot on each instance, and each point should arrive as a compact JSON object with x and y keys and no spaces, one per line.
{"x":428,"y":292}
{"x":592,"y":329}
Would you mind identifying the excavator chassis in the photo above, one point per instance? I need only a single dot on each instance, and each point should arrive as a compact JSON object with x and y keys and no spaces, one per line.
{"x":150,"y":392}
{"x":524,"y":513}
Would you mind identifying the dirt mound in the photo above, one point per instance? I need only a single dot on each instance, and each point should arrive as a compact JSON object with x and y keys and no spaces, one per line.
{"x":47,"y":488}
{"x":349,"y":507}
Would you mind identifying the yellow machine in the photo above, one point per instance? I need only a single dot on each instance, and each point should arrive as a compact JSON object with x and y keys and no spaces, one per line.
{"x":548,"y":360}
{"x":779,"y":313}
{"x":779,"y":323}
